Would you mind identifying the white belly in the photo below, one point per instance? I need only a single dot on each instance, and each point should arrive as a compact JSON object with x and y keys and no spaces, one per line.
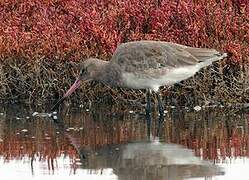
{"x":173,"y":76}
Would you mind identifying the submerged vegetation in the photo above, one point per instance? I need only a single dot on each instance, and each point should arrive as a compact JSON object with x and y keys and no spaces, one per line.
{"x":42,"y":41}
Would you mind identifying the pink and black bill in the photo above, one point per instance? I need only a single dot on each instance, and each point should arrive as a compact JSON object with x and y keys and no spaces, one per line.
{"x":68,"y":93}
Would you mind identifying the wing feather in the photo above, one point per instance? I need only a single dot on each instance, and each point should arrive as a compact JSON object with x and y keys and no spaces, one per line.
{"x":146,"y":55}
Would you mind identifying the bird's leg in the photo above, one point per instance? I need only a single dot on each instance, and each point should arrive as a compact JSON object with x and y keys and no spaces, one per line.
{"x":159,"y":127}
{"x":148,"y":112}
{"x":148,"y":99}
{"x":161,"y":113}
{"x":160,"y":105}
{"x":148,"y":119}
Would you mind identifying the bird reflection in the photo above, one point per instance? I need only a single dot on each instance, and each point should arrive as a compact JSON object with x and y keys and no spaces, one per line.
{"x":150,"y":159}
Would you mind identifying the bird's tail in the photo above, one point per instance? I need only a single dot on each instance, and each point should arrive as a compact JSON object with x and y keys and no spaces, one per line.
{"x":205,"y":56}
{"x":212,"y":59}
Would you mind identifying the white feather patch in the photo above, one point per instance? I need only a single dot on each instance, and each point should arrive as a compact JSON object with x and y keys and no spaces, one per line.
{"x":173,"y":76}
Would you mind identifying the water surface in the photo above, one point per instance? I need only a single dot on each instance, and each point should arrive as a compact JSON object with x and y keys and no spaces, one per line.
{"x":111,"y":143}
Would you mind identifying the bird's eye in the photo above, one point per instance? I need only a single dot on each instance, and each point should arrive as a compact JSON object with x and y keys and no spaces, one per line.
{"x":82,"y":71}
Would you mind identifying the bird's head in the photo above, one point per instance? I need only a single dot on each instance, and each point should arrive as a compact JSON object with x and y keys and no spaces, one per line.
{"x":88,"y":70}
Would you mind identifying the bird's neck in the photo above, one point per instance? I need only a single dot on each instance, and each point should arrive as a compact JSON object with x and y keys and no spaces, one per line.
{"x":99,"y":69}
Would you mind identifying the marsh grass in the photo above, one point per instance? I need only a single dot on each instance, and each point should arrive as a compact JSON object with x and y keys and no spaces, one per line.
{"x":41,"y":81}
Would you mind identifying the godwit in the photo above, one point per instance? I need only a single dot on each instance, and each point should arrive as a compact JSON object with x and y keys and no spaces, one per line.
{"x":146,"y":65}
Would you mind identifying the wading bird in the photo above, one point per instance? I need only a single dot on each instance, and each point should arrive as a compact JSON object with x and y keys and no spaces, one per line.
{"x":146,"y":65}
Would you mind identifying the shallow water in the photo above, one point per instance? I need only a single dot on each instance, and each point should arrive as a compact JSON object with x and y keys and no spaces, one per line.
{"x":110,"y":143}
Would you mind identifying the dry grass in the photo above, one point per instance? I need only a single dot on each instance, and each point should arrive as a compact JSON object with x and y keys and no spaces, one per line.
{"x":40,"y":81}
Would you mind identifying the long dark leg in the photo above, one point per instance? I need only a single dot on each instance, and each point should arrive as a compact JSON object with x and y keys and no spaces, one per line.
{"x":161,"y":113}
{"x":160,"y":104}
{"x":148,"y":112}
{"x":148,"y":99}
{"x":159,"y":127}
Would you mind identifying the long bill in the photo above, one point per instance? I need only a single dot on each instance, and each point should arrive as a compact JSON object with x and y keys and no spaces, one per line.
{"x":75,"y":85}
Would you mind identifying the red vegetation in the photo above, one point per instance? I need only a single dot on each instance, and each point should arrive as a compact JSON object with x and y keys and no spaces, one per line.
{"x":72,"y":29}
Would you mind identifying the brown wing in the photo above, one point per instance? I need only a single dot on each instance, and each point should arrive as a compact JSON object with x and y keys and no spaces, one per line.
{"x":149,"y":55}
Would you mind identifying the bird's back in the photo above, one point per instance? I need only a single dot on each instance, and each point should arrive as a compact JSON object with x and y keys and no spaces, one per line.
{"x":147,"y":55}
{"x":151,"y":64}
